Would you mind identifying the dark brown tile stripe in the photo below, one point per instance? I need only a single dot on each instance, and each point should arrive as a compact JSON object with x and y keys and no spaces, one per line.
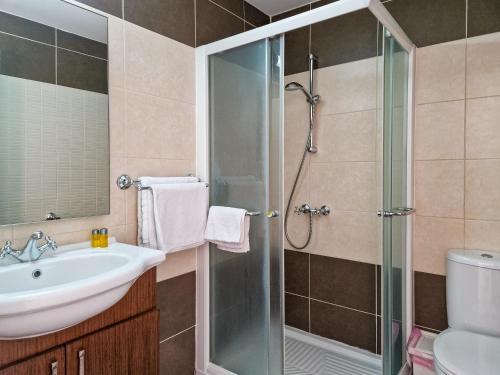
{"x":214,"y":23}
{"x":171,"y":18}
{"x":430,"y":21}
{"x":177,"y":354}
{"x":113,"y":7}
{"x":430,"y":301}
{"x":344,"y":282}
{"x":348,"y":326}
{"x":234,"y":6}
{"x":290,"y":13}
{"x":23,"y":58}
{"x":483,"y":17}
{"x":80,"y":44}
{"x":176,"y":299}
{"x":255,"y":16}
{"x":297,"y":311}
{"x":297,"y":272}
{"x":82,"y":71}
{"x":27,"y":29}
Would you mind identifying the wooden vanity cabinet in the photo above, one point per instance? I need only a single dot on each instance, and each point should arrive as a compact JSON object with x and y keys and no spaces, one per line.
{"x":50,"y":363}
{"x":123,"y":340}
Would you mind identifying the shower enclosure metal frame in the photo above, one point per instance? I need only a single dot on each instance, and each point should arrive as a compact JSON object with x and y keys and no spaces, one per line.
{"x":338,"y":8}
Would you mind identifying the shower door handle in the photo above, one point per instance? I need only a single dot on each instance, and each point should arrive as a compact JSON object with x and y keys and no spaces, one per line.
{"x":401,"y":211}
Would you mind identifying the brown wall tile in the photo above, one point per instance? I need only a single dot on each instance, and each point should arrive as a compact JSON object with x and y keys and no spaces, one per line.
{"x":26,"y":59}
{"x":113,"y":7}
{"x":430,"y":21}
{"x":81,"y":71}
{"x":255,"y":16}
{"x":171,"y":18}
{"x":297,"y":272}
{"x":214,"y":23}
{"x":297,"y":311}
{"x":343,"y":282}
{"x":78,"y":43}
{"x":483,"y":17}
{"x":344,"y":325}
{"x":176,"y":299}
{"x":430,"y":301}
{"x":177,"y":355}
{"x":27,"y":29}
{"x":234,"y":6}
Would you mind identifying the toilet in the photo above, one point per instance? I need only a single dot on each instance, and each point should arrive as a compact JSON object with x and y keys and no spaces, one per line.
{"x":471,"y":346}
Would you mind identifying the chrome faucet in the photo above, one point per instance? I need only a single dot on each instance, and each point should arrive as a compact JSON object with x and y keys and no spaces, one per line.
{"x":31,"y":252}
{"x":306,"y":209}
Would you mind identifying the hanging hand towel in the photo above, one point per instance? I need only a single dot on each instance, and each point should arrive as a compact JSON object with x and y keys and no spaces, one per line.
{"x":228,"y":228}
{"x":180,"y":215}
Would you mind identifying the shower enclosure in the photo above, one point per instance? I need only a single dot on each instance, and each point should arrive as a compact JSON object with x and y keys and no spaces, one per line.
{"x":316,"y":147}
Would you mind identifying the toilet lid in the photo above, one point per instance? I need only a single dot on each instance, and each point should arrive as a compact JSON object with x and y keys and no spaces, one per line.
{"x":466,"y":353}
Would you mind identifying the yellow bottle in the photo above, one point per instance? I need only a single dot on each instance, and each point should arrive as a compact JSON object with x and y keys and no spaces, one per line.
{"x":103,"y":237}
{"x":94,"y":238}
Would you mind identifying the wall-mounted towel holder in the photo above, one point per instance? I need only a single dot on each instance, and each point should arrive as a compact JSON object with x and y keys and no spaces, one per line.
{"x":124,"y":181}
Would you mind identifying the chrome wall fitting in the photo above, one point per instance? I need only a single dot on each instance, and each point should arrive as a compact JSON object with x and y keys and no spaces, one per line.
{"x":306,"y":209}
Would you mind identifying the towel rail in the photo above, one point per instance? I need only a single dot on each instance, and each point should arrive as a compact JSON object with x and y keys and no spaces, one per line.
{"x":124,"y":181}
{"x":253,"y":213}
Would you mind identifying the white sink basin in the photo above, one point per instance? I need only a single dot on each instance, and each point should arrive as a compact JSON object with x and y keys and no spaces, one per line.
{"x":71,"y":287}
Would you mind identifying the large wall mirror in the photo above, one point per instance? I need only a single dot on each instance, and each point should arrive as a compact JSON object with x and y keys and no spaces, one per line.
{"x":54,"y":128}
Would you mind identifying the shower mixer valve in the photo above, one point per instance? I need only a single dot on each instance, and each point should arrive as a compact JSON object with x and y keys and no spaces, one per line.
{"x":306,"y":209}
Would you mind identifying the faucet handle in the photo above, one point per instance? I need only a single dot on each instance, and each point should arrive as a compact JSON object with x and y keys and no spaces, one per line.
{"x":7,"y":247}
{"x":38,"y":235}
{"x":51,"y":242}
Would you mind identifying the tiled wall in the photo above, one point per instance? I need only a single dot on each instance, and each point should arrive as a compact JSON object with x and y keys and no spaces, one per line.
{"x":331,"y":286}
{"x":192,"y":22}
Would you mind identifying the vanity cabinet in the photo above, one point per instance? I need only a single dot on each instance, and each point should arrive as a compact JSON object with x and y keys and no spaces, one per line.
{"x":127,"y":348}
{"x":123,"y":340}
{"x":50,"y":363}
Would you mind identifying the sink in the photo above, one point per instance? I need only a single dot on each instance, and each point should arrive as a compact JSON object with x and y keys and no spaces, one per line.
{"x":74,"y":285}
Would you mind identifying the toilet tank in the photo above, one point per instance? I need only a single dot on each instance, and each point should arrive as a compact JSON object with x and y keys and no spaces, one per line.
{"x":473,"y":291}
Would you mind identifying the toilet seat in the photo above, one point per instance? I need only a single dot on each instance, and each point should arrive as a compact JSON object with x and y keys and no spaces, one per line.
{"x":458,"y":352}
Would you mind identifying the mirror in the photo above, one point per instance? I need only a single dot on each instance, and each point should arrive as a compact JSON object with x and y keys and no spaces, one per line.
{"x":54,"y":127}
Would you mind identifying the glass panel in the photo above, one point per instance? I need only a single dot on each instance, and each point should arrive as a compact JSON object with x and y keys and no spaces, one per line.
{"x":245,"y":137}
{"x":395,"y":174}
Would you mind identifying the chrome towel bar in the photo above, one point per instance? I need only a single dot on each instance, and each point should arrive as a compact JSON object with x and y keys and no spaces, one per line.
{"x":124,"y":181}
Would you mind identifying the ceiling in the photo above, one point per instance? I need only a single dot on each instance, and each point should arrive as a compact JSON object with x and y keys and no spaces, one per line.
{"x":274,"y":7}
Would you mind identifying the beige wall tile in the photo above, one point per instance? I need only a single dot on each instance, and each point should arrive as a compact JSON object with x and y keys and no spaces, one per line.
{"x":439,"y":188}
{"x":482,"y":192}
{"x":440,"y":72}
{"x":345,"y":186}
{"x":176,"y":264}
{"x":346,"y":137}
{"x":482,"y":235}
{"x":158,"y":66}
{"x":483,"y":67}
{"x":339,"y":235}
{"x":116,"y":52}
{"x":439,"y":130}
{"x":159,"y":128}
{"x":483,"y":128}
{"x":347,"y":87}
{"x":432,"y":239}
{"x":117,"y":136}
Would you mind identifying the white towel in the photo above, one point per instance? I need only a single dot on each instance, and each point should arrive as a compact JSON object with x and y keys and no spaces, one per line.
{"x":180,"y":215}
{"x":228,"y":228}
{"x":146,"y":233}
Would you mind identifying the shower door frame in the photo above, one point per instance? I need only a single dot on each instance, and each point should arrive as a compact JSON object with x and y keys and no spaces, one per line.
{"x":338,"y":8}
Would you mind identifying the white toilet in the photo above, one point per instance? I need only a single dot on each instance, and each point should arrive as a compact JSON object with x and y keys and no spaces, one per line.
{"x":471,"y":346}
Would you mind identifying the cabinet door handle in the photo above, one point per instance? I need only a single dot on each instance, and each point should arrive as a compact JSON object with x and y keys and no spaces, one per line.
{"x":81,"y":362}
{"x":53,"y":368}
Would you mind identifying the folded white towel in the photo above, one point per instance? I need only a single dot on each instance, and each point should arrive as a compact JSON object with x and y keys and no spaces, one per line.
{"x":180,"y":215}
{"x":228,"y":228}
{"x":146,"y":233}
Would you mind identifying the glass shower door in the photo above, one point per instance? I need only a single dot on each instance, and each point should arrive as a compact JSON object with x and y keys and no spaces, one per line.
{"x":246,"y":172}
{"x":395,"y":209}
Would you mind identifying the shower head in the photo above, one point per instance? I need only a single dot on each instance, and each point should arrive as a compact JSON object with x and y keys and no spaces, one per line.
{"x":294,"y":86}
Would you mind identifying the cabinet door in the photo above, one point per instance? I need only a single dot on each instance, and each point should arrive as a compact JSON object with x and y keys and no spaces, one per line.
{"x":50,"y":363}
{"x":129,"y":348}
